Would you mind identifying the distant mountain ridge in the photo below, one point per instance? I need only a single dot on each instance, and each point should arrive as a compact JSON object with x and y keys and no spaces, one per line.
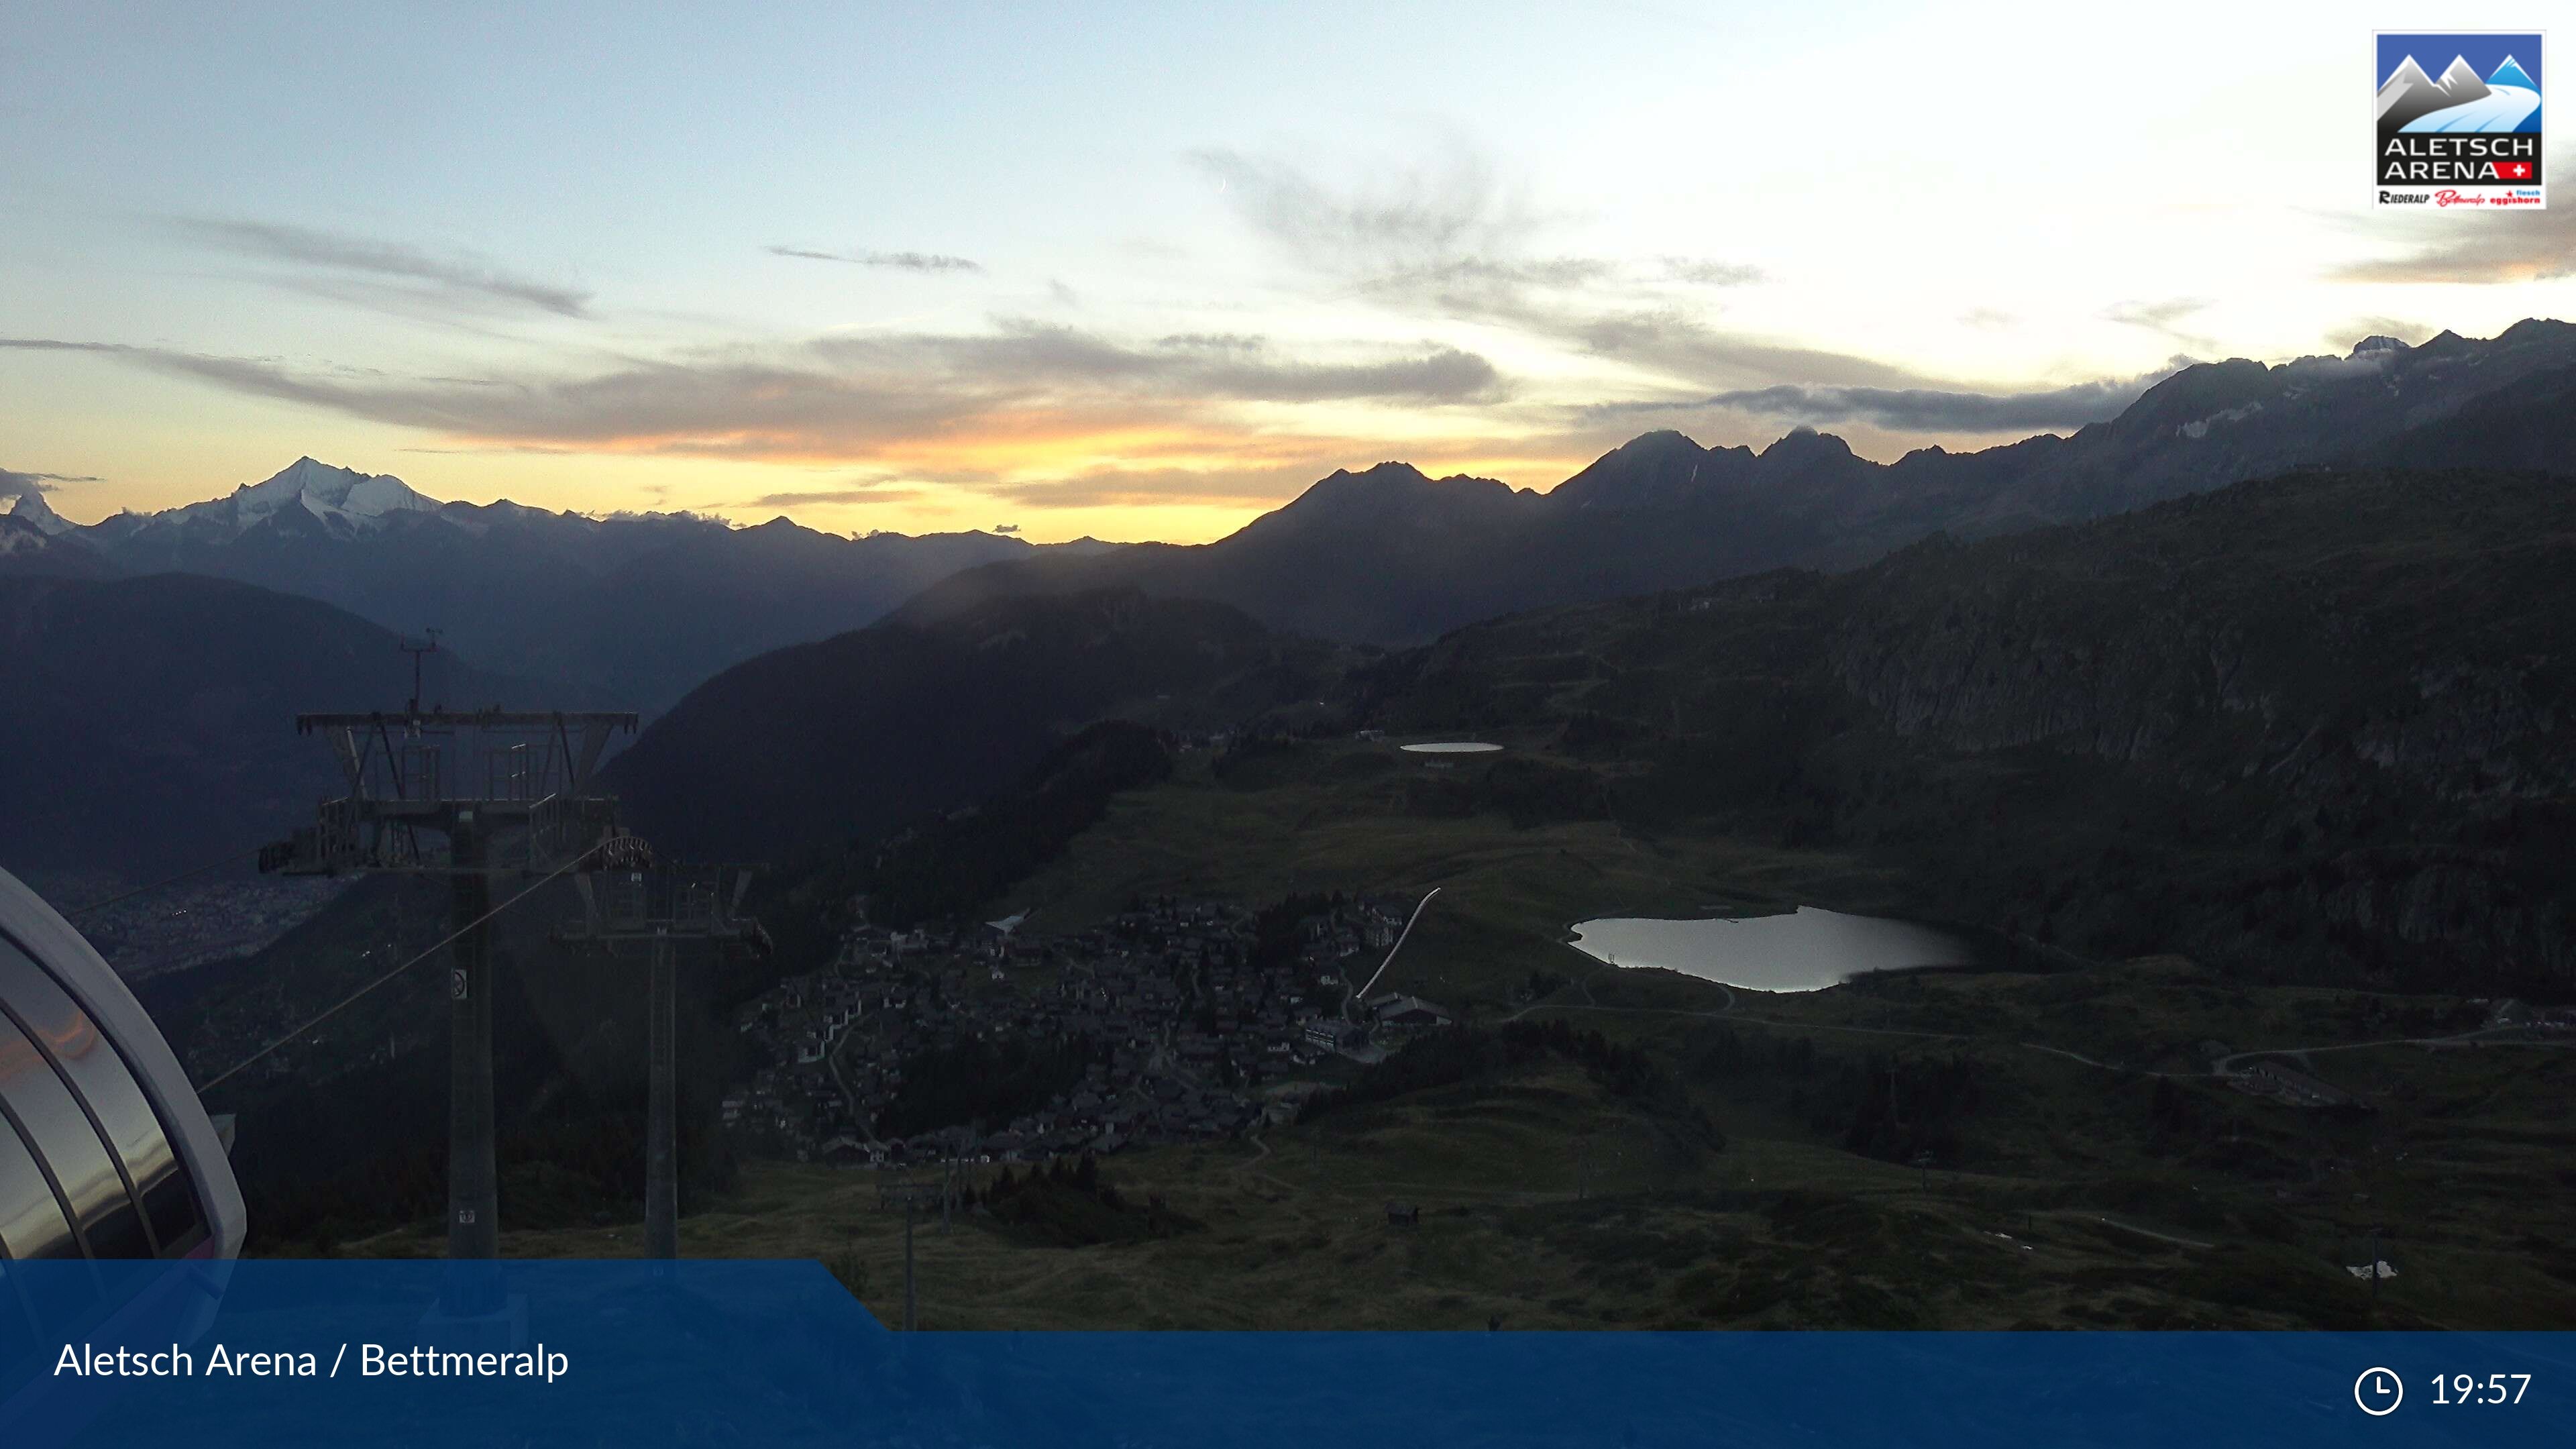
{"x":344,"y":501}
{"x":1390,"y":556}
{"x":636,"y":610}
{"x":28,"y":546}
{"x":629,"y":610}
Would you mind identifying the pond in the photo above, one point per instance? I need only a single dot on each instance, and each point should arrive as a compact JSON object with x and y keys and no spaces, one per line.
{"x":1806,"y":950}
{"x":1453,"y":747}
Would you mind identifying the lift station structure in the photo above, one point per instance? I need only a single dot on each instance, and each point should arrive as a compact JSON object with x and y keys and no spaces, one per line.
{"x":474,"y":797}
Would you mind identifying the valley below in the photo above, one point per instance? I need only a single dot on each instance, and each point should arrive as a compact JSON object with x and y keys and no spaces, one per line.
{"x":2060,"y":1142}
{"x":2248,"y":814}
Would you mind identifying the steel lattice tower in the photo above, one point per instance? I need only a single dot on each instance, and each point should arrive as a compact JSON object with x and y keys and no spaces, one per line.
{"x":471,"y":797}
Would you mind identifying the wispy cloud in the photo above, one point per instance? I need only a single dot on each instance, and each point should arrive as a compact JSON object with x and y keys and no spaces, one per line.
{"x":1700,"y":272}
{"x":1238,"y":484}
{"x":1483,"y":288}
{"x":859,"y":493}
{"x":2531,"y":246}
{"x":1456,"y":206}
{"x":1680,"y":345}
{"x":1450,"y":238}
{"x":1258,"y":475}
{"x":901,"y":261}
{"x":1935,"y":410}
{"x":50,"y":344}
{"x":363,"y":268}
{"x":2164,"y":318}
{"x":14,"y":484}
{"x":1025,"y":354}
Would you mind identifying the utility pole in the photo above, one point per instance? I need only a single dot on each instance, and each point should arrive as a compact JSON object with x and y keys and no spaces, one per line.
{"x":661,"y":1147}
{"x":536,"y":810}
{"x":658,"y":908}
{"x":417,"y":652}
{"x":911,"y":1196}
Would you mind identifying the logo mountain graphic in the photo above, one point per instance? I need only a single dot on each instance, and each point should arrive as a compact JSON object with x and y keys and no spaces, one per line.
{"x":2510,"y":74}
{"x":2461,"y":82}
{"x":2401,"y":90}
{"x":2466,"y":134}
{"x":2409,"y":95}
{"x":2461,"y":101}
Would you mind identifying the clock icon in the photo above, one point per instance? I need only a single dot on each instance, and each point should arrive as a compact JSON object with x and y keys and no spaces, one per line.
{"x":2378,"y":1392}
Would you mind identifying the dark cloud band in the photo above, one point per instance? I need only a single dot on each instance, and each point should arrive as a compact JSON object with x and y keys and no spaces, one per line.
{"x":1934,"y":410}
{"x":848,"y":396}
{"x":2535,"y":246}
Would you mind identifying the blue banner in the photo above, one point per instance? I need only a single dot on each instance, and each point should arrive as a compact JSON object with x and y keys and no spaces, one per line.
{"x":758,"y":1353}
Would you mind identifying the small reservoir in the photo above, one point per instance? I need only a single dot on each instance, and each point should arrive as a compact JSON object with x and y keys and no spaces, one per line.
{"x":1453,"y":747}
{"x":1806,"y":950}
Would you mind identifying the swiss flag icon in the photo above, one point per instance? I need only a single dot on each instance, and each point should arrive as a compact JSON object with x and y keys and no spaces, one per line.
{"x":2514,"y":170}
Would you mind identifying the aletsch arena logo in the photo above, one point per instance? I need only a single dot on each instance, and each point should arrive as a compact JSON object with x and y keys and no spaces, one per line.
{"x":2466,"y":134}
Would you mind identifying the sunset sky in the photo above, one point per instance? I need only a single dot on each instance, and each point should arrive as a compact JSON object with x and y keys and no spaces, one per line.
{"x":1144,"y":271}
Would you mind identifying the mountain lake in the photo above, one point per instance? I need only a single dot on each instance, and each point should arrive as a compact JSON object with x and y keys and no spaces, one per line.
{"x":1806,"y":950}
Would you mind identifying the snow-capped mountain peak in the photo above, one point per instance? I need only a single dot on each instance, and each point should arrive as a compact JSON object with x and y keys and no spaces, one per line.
{"x":31,"y":508}
{"x":2462,"y":81}
{"x":344,"y":498}
{"x":2512,"y":74}
{"x":344,"y":490}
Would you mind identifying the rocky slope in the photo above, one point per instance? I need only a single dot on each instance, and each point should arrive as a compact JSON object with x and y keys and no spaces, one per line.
{"x":835,"y":742}
{"x":27,"y":548}
{"x":2312,"y":725}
